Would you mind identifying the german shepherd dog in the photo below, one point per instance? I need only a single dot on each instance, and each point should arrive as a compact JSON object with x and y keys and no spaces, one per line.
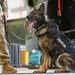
{"x":47,"y":44}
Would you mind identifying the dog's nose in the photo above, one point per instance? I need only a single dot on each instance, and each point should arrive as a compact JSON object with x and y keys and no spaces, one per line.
{"x":27,"y":17}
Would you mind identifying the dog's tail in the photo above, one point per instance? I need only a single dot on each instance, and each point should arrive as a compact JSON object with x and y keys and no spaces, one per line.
{"x":67,"y":61}
{"x":72,"y":62}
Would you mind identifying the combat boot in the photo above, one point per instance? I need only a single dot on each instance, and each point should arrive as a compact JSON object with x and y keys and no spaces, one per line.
{"x":8,"y":69}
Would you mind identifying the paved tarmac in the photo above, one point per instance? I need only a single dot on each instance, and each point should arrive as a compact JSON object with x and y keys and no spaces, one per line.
{"x":26,"y":71}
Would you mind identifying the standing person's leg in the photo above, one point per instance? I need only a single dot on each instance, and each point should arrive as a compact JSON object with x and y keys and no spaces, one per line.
{"x":4,"y":52}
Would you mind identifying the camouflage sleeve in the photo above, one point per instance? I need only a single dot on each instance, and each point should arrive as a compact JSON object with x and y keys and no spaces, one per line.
{"x":4,"y":6}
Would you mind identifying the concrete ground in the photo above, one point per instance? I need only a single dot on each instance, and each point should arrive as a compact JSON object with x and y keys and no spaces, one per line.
{"x":26,"y":71}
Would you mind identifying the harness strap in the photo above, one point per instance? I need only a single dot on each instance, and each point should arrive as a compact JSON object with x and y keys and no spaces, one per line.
{"x":42,"y":30}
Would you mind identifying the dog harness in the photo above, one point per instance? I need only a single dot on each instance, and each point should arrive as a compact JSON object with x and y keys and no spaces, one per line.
{"x":62,"y":41}
{"x":52,"y":30}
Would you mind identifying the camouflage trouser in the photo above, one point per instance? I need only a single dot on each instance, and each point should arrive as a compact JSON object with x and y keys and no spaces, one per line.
{"x":4,"y":53}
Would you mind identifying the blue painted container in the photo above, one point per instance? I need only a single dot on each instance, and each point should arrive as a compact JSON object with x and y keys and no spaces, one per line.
{"x":34,"y":58}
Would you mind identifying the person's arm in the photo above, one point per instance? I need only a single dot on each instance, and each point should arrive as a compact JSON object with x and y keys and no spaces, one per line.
{"x":4,"y":5}
{"x":4,"y":9}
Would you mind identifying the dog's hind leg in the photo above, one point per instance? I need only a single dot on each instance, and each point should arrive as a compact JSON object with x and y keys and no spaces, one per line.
{"x":65,"y":62}
{"x":46,"y":62}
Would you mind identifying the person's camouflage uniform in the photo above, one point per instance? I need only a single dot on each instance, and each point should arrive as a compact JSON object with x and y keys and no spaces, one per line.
{"x":4,"y":55}
{"x":4,"y":52}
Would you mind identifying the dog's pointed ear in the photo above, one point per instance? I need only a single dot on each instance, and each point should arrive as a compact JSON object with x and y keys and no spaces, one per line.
{"x":42,"y":7}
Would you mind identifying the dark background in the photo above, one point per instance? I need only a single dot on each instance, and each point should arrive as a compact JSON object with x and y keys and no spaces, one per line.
{"x":67,"y":20}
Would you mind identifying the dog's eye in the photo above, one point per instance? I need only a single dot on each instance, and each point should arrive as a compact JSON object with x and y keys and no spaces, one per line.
{"x":39,"y":12}
{"x":35,"y":13}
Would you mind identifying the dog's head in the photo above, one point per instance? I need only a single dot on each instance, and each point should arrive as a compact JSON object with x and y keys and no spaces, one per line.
{"x":37,"y":17}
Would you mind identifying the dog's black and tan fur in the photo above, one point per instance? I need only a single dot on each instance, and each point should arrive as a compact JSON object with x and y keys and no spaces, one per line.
{"x":65,"y":61}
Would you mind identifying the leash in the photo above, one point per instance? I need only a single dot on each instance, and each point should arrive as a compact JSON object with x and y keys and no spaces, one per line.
{"x":19,"y":37}
{"x":14,"y":34}
{"x":68,"y":31}
{"x":6,"y":32}
{"x":31,"y":36}
{"x":73,"y":30}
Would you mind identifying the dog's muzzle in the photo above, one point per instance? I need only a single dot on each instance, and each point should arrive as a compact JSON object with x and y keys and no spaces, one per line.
{"x":28,"y":17}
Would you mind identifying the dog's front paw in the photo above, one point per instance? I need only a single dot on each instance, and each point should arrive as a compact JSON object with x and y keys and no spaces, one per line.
{"x":39,"y":71}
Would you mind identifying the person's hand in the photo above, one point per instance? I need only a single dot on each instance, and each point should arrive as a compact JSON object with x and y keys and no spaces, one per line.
{"x":4,"y":16}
